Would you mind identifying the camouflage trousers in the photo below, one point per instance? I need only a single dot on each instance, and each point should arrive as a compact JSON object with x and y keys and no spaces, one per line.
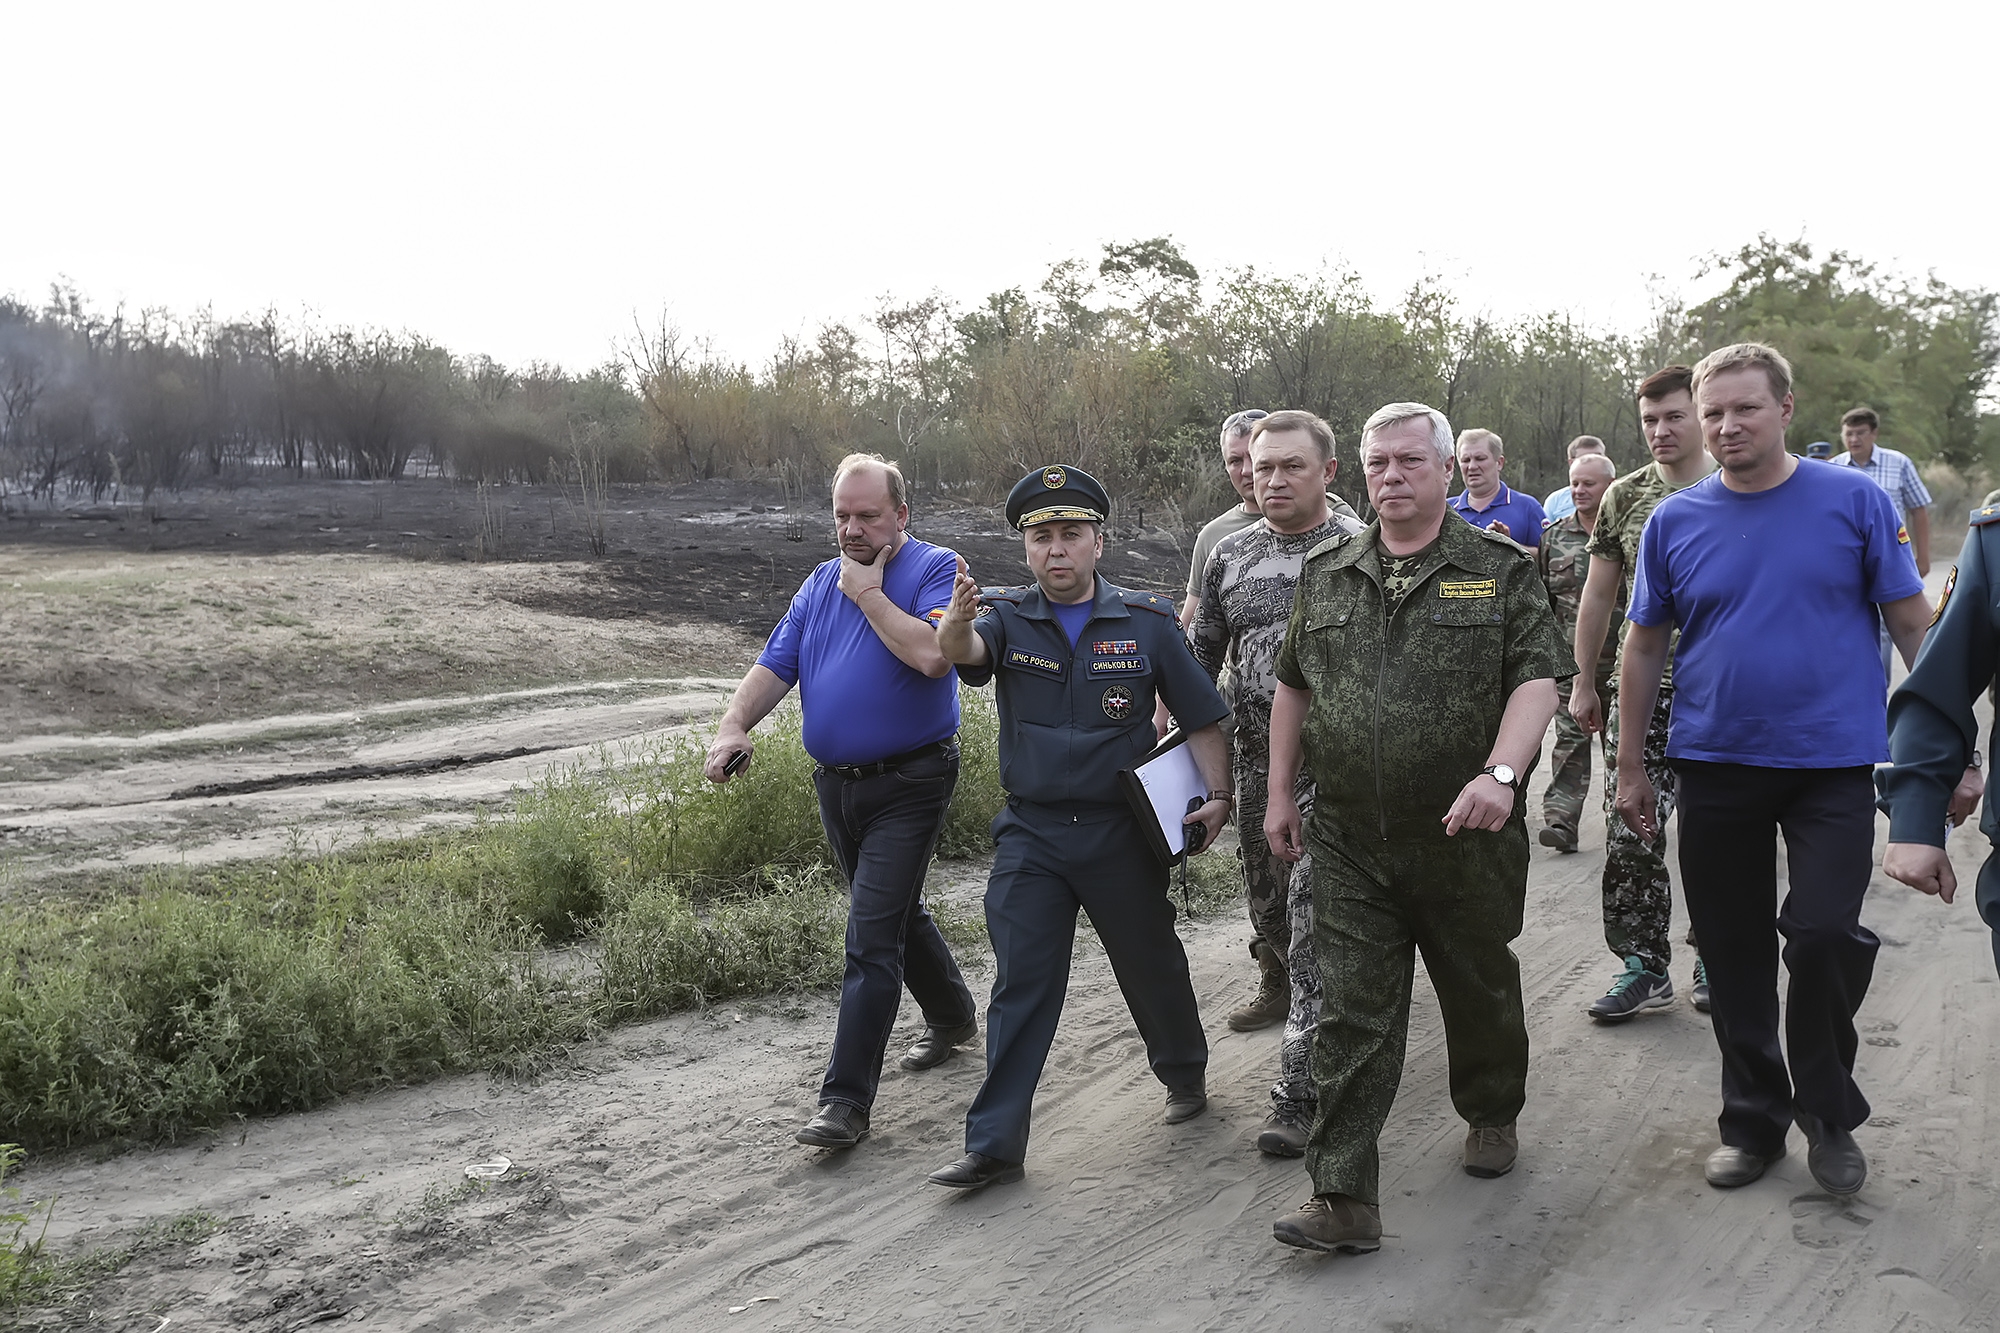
{"x":1295,"y":1048}
{"x":1638,"y":893}
{"x":1459,"y":902}
{"x":1569,"y":761}
{"x":1265,"y":877}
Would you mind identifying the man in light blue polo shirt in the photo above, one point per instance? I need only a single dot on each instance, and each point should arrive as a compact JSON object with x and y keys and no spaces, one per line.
{"x":1488,"y":502}
{"x":1559,"y":504}
{"x":881,"y":717}
{"x":1773,"y":572}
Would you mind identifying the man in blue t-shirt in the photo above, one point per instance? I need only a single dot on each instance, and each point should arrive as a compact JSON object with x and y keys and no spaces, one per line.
{"x":881,"y":717}
{"x":1773,"y":573}
{"x":1488,"y":502}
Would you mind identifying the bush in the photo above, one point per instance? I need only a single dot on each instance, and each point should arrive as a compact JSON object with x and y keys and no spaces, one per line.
{"x":660,"y":954}
{"x":22,"y":1268}
{"x":165,"y":1012}
{"x":263,"y":987}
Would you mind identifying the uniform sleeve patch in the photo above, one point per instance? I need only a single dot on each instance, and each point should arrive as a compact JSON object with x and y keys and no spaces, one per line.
{"x":1117,"y":666}
{"x":1950,"y":582}
{"x":1902,"y":534}
{"x":934,"y":616}
{"x":1023,"y":660}
{"x":1469,"y":588}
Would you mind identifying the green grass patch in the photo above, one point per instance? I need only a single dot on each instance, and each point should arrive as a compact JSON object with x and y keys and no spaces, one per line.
{"x":154,"y":1004}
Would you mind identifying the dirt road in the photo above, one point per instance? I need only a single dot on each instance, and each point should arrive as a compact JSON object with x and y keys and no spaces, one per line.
{"x":656,"y":1185}
{"x":316,"y":781}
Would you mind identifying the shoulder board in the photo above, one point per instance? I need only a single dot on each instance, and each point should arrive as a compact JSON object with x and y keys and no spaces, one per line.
{"x":1331,"y":544}
{"x":1150,"y":601}
{"x":1986,"y":514}
{"x":1508,"y":542}
{"x":1004,"y":594}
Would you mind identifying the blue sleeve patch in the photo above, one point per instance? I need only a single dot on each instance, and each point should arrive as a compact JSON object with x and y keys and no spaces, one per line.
{"x":1023,"y":660}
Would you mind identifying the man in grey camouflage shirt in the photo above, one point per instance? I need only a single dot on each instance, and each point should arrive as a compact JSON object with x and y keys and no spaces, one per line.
{"x":1242,"y":609}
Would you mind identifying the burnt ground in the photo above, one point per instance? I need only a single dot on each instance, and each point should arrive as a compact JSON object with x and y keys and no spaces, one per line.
{"x":727,"y":552}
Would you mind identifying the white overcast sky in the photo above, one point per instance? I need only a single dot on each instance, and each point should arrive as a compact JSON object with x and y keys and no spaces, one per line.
{"x":522,"y":180}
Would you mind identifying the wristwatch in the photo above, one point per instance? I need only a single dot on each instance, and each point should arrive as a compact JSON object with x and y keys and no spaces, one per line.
{"x":1503,"y":775}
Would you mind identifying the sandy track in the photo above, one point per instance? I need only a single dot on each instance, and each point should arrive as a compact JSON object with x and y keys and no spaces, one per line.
{"x":662,"y":1186}
{"x":116,"y":807}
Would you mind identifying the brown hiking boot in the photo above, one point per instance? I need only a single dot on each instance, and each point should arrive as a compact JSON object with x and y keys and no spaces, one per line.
{"x":1274,"y":992}
{"x":1332,"y":1222}
{"x":1490,"y":1150}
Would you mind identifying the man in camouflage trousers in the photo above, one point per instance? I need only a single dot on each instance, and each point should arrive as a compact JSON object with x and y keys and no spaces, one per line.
{"x":1241,"y":611}
{"x":1417,"y":677}
{"x":1638,"y":894}
{"x":1564,"y":561}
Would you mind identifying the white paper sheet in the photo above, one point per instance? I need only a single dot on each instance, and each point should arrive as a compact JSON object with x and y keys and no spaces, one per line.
{"x":1171,"y":781}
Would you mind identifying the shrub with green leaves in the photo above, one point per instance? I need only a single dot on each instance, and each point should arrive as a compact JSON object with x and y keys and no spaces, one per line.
{"x":22,"y":1267}
{"x":167,"y":1000}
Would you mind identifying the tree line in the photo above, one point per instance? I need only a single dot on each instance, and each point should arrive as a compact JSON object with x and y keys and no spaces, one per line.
{"x":1123,"y":366}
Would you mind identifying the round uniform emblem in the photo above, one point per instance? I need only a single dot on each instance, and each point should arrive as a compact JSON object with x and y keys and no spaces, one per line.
{"x":1054,"y":477}
{"x":1118,"y":703}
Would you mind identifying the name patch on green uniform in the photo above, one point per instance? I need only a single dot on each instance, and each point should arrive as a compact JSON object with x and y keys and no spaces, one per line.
{"x":1469,"y":588}
{"x":1027,"y":661}
{"x":1116,"y":666}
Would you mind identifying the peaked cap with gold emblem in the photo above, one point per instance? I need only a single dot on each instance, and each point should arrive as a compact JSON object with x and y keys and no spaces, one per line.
{"x":1055,"y":494}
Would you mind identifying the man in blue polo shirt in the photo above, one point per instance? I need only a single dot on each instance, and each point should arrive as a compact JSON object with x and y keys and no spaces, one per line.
{"x":1488,"y":502}
{"x":881,"y":717}
{"x":1773,"y":573}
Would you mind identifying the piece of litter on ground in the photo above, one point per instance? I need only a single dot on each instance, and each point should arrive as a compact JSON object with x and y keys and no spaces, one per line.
{"x":754,"y":1300}
{"x":492,"y":1170}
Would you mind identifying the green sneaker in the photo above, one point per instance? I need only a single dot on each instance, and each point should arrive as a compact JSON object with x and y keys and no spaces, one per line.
{"x":1632,"y":990}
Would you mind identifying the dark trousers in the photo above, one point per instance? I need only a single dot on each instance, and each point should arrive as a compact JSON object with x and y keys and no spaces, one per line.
{"x":1730,"y":817}
{"x":1046,"y":866}
{"x":882,"y":830}
{"x":1376,"y":905}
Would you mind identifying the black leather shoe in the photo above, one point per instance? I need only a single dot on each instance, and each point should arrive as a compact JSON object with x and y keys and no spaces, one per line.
{"x":976,"y":1171}
{"x":937,"y":1045}
{"x":1185,"y":1104}
{"x":1730,"y":1168}
{"x":837,"y":1125}
{"x":1835,"y":1159}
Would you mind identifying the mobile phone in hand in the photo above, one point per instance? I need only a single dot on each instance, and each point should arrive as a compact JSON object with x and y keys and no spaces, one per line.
{"x":735,"y":764}
{"x":1195,"y":834}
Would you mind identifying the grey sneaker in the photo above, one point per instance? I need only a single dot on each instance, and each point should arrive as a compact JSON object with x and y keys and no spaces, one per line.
{"x":1490,"y":1150}
{"x":1699,"y":995}
{"x":1286,"y":1129}
{"x":1632,"y":990}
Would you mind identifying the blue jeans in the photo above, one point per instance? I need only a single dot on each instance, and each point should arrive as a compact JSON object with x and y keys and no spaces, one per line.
{"x":883,"y":830}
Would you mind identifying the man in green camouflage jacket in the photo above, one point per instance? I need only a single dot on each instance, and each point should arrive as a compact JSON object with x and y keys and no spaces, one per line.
{"x":1416,"y":680}
{"x":1564,"y":560}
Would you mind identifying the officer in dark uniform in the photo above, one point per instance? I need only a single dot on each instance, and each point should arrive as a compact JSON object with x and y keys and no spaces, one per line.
{"x":1935,"y":773}
{"x":1078,"y":665}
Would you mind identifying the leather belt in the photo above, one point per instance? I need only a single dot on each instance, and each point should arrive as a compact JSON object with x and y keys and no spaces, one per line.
{"x":855,"y":772}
